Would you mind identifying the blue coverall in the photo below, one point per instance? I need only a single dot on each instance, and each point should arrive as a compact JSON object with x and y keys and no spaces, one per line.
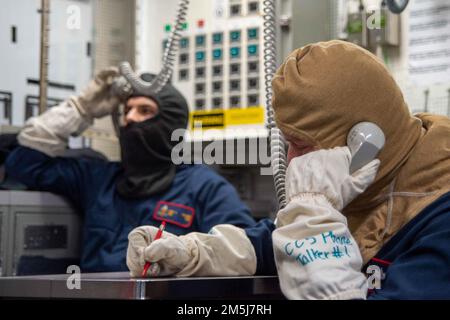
{"x":197,"y":200}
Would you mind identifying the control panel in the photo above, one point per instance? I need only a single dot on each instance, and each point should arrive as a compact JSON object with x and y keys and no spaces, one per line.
{"x":219,"y":66}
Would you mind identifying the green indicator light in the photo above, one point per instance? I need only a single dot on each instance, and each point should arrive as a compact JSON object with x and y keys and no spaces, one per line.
{"x":184,"y":43}
{"x":217,"y":38}
{"x":235,"y":52}
{"x":168,"y":27}
{"x":235,"y":35}
{"x":200,"y":40}
{"x":252,"y":49}
{"x":252,"y":33}
{"x":355,"y":27}
{"x":217,"y":54}
{"x":200,"y":56}
{"x":184,"y":26}
{"x":383,"y":21}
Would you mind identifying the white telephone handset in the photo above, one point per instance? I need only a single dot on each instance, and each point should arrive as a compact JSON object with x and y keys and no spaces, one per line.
{"x":365,"y":141}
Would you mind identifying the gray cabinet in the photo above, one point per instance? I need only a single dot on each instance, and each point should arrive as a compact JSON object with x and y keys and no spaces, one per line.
{"x":36,"y":225}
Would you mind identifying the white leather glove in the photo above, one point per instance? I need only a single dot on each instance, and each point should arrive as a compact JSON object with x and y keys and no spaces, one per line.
{"x":138,"y":252}
{"x":97,"y":99}
{"x":225,"y":251}
{"x":327,"y":173}
{"x":50,"y":132}
{"x":316,"y":256}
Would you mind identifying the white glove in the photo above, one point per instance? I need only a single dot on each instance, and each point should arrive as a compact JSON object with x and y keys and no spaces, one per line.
{"x":140,"y":241}
{"x":97,"y":99}
{"x":225,"y":251}
{"x":327,"y":173}
{"x":316,"y":256}
{"x":50,"y":132}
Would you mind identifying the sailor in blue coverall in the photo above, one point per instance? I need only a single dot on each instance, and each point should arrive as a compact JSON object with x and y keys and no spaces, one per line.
{"x":144,"y":189}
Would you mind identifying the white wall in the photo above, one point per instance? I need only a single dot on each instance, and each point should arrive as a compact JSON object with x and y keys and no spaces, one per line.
{"x":151,"y":17}
{"x":69,"y":63}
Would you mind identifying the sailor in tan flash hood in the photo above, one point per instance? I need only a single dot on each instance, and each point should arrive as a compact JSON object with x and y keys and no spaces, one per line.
{"x":320,"y":92}
{"x":324,"y":89}
{"x":393,"y":214}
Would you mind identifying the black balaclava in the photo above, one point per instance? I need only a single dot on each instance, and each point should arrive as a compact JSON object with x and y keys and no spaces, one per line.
{"x":146,"y":146}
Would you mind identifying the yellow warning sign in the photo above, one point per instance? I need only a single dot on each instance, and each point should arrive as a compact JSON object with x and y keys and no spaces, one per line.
{"x":252,"y":115}
{"x":208,"y":119}
{"x":220,"y":119}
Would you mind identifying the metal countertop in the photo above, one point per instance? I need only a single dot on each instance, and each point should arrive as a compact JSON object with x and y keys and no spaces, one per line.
{"x":121,"y":286}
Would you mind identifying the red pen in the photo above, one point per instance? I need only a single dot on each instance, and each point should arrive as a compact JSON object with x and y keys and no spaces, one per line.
{"x":158,"y":236}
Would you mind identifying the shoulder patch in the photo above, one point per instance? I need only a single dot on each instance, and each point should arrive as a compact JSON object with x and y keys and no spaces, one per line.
{"x":174,"y":213}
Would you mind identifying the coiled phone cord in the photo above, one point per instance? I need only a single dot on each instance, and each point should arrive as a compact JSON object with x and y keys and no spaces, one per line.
{"x":168,"y":59}
{"x":277,"y":141}
{"x":123,"y":86}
